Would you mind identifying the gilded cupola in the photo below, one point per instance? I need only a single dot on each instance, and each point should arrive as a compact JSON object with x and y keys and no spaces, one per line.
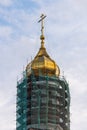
{"x":42,"y":63}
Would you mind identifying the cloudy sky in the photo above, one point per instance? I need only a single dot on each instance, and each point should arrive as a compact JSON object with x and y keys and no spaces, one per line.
{"x":66,"y":43}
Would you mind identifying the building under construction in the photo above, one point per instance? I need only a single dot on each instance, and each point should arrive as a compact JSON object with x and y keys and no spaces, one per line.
{"x":43,"y":97}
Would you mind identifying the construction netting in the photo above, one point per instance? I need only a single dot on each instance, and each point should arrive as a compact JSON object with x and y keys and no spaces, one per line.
{"x":43,"y":103}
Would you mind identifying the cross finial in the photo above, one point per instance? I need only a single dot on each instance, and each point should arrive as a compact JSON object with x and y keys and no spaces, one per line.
{"x":42,"y":29}
{"x":42,"y":24}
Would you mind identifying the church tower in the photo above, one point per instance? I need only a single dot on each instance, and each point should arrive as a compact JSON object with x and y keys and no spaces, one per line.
{"x":43,"y":98}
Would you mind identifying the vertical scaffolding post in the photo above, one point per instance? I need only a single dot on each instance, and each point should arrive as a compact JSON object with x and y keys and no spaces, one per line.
{"x":47,"y":97}
{"x":22,"y":103}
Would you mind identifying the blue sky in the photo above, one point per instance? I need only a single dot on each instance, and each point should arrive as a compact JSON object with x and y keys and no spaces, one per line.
{"x":66,"y":42}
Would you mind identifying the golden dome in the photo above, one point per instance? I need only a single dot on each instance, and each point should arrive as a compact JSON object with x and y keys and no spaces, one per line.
{"x":42,"y":63}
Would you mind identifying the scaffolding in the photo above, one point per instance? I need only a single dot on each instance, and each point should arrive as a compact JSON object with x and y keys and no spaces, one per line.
{"x":21,"y":108}
{"x":43,"y":103}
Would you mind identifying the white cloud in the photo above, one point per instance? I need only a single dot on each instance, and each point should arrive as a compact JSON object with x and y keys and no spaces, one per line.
{"x":80,"y":3}
{"x":7,"y":115}
{"x":6,"y":2}
{"x":5,"y":31}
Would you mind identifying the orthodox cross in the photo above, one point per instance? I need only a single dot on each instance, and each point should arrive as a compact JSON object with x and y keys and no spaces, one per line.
{"x":42,"y":24}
